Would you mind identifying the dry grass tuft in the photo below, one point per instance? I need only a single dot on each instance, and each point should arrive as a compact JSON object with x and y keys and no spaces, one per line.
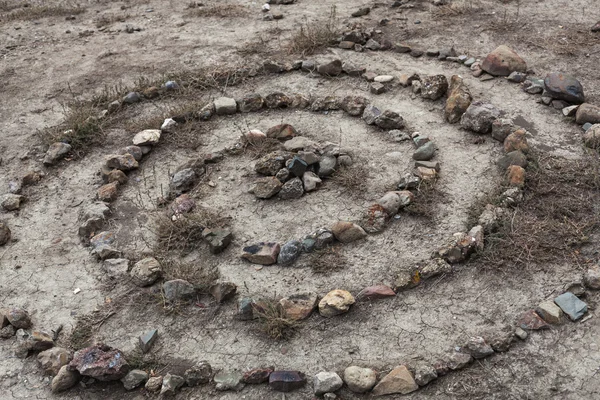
{"x":201,"y":276}
{"x":555,"y":220}
{"x":327,"y":260}
{"x":27,"y":13}
{"x":273,"y":319}
{"x":353,"y":178}
{"x":428,"y":196}
{"x":258,"y":148}
{"x":457,"y":8}
{"x":315,"y":36}
{"x":109,"y":19}
{"x":219,"y":11}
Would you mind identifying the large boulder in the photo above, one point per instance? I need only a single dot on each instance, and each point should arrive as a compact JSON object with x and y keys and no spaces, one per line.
{"x":564,"y":87}
{"x":502,"y":61}
{"x":479,"y":117}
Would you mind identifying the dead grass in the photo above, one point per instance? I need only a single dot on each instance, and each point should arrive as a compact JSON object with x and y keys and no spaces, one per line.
{"x":314,"y":36}
{"x":27,"y":13}
{"x":273,"y":320}
{"x":149,"y":362}
{"x":354,"y":178}
{"x":258,"y":148}
{"x":457,"y":8}
{"x":555,"y":220}
{"x":428,"y":197}
{"x":218,"y":11}
{"x":327,"y":260}
{"x":202,"y":276}
{"x":109,"y":19}
{"x":568,"y":41}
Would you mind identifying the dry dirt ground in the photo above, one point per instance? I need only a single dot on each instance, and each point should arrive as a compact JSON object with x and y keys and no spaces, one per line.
{"x":47,"y":61}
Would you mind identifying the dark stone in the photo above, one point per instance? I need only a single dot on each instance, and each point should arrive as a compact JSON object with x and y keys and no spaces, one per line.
{"x":289,"y":252}
{"x":297,"y":166}
{"x":513,"y":158}
{"x":223,"y":291}
{"x":286,"y":381}
{"x":198,"y":374}
{"x":257,"y":375}
{"x":178,"y":289}
{"x":217,"y":239}
{"x":147,"y":340}
{"x":564,"y":87}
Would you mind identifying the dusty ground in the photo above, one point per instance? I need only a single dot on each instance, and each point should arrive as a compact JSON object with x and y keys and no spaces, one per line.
{"x":43,"y":66}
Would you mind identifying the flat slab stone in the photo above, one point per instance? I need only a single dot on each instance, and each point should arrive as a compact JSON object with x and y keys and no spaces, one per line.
{"x":532,"y":321}
{"x":286,"y":381}
{"x":262,"y":253}
{"x":571,"y":305}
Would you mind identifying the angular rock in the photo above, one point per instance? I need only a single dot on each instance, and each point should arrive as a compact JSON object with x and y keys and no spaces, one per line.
{"x":278,"y":100}
{"x":425,"y":373}
{"x":154,"y":384}
{"x":225,"y":380}
{"x":515,"y":176}
{"x":257,"y":376}
{"x":516,"y":141}
{"x":530,"y":320}
{"x":591,"y":138}
{"x":591,"y":278}
{"x":326,"y":382}
{"x":18,"y":317}
{"x":52,"y":360}
{"x":100,"y":362}
{"x":183,"y":181}
{"x":478,"y":347}
{"x":198,"y":374}
{"x":146,"y":340}
{"x":122,"y":162}
{"x":311,"y":181}
{"x":332,"y":68}
{"x":513,"y":158}
{"x":354,"y":105}
{"x":517,"y":77}
{"x":347,"y":232}
{"x":479,"y":117}
{"x":265,"y":188}
{"x":171,"y":384}
{"x":282,"y":132}
{"x":286,"y":381}
{"x":434,"y":87}
{"x":292,"y":189}
{"x":564,"y":87}
{"x":407,"y":279}
{"x":370,"y":114}
{"x":146,"y":271}
{"x":148,"y":137}
{"x":550,"y":312}
{"x":289,"y":252}
{"x":225,"y":106}
{"x":571,"y":305}
{"x":134,"y":379}
{"x":223,"y":291}
{"x":389,"y":120}
{"x":297,"y":166}
{"x":64,"y":380}
{"x":263,"y":253}
{"x":359,"y":380}
{"x":375,"y":292}
{"x":434,"y":267}
{"x":399,"y":380}
{"x":425,"y":152}
{"x":56,"y":152}
{"x":299,"y":306}
{"x":178,"y":290}
{"x":501,"y":128}
{"x":377,"y":88}
{"x":459,"y":360}
{"x":271,"y":163}
{"x":335,"y":303}
{"x":502,"y":61}
{"x":218,"y":239}
{"x":459,"y":99}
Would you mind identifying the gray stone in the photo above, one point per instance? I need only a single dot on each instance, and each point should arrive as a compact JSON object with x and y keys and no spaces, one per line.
{"x":146,"y":340}
{"x":372,"y":45}
{"x":533,"y":86}
{"x":178,"y":290}
{"x":470,"y":61}
{"x":370,"y":114}
{"x":183,"y":180}
{"x":292,"y":189}
{"x":478,"y":347}
{"x":327,"y":165}
{"x":132,"y":97}
{"x":409,"y":181}
{"x":550,"y":312}
{"x":326,"y":382}
{"x":517,"y":77}
{"x":11,"y":201}
{"x":17,"y":317}
{"x":591,"y":278}
{"x":354,"y":105}
{"x":198,"y":374}
{"x":265,"y":188}
{"x":377,"y":88}
{"x":571,"y":305}
{"x":264,"y":253}
{"x":425,"y":373}
{"x":479,"y":117}
{"x":501,"y":128}
{"x":56,"y":152}
{"x":218,"y":239}
{"x":245,"y":309}
{"x":7,"y":332}
{"x":134,"y":379}
{"x":228,"y":381}
{"x":122,"y":162}
{"x":225,"y":106}
{"x":513,"y":158}
{"x":520,"y":333}
{"x":425,"y":152}
{"x":564,"y":87}
{"x":389,"y":120}
{"x":146,"y":271}
{"x":311,"y":181}
{"x":171,"y":384}
{"x":332,"y":68}
{"x":586,"y":126}
{"x":289,"y":252}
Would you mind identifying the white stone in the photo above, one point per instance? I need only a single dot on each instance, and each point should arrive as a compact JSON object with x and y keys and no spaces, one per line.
{"x":384,"y":78}
{"x":225,"y":106}
{"x":168,"y":125}
{"x":326,"y":382}
{"x":146,"y":137}
{"x":266,"y":8}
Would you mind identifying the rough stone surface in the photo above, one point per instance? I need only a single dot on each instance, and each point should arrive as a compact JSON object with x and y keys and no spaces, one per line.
{"x":18,"y":317}
{"x":262,"y":253}
{"x":134,"y":379}
{"x":178,"y":290}
{"x":183,"y":180}
{"x":146,"y":271}
{"x":399,"y":380}
{"x":354,"y":105}
{"x":591,"y":138}
{"x":389,"y":120}
{"x":370,"y":114}
{"x":257,"y":376}
{"x":198,"y":374}
{"x":326,"y":382}
{"x":502,"y":61}
{"x":550,"y":312}
{"x":64,"y":380}
{"x":223,"y":291}
{"x":513,"y":158}
{"x":265,"y":188}
{"x":459,"y":99}
{"x":434,"y":87}
{"x":100,"y":362}
{"x":332,"y":68}
{"x":458,"y":361}
{"x":335,"y":302}
{"x":286,"y":381}
{"x":299,"y":306}
{"x":478,"y":347}
{"x":375,"y":292}
{"x":359,"y":380}
{"x":282,"y":132}
{"x":218,"y":239}
{"x":311,"y":181}
{"x":148,"y":137}
{"x":588,"y":113}
{"x":425,"y":373}
{"x":530,"y":320}
{"x":501,"y":128}
{"x":271,"y":163}
{"x":251,"y":103}
{"x":479,"y":117}
{"x":289,"y":252}
{"x":292,"y":189}
{"x":425,"y":152}
{"x":591,"y":278}
{"x":225,"y":106}
{"x":52,"y":360}
{"x":56,"y":152}
{"x":171,"y":384}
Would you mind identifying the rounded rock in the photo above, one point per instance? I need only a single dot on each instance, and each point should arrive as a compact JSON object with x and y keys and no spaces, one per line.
{"x":326,"y":382}
{"x":359,"y":380}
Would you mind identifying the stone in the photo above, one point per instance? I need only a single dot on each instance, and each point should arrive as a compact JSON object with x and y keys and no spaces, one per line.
{"x":564,"y":87}
{"x":478,"y":348}
{"x":370,"y":114}
{"x":346,"y":45}
{"x":432,"y":52}
{"x":17,"y":317}
{"x":148,"y":137}
{"x":292,"y":189}
{"x":332,"y":68}
{"x":458,"y":361}
{"x":588,"y":113}
{"x":223,"y":291}
{"x":56,"y":152}
{"x":106,"y":252}
{"x":297,"y":166}
{"x":372,"y":45}
{"x":265,"y":188}
{"x":218,"y":239}
{"x":596,"y":27}
{"x":263,"y":253}
{"x":407,"y":79}
{"x":425,"y":373}
{"x":52,"y":360}
{"x":517,"y":77}
{"x":376,"y":292}
{"x":479,"y":117}
{"x":530,"y":320}
{"x":147,"y":339}
{"x":282,"y":132}
{"x":299,"y":306}
{"x":550,"y":312}
{"x":326,"y":382}
{"x":520,"y":333}
{"x":433,"y":268}
{"x":407,"y":279}
{"x":117,"y":176}
{"x":154,"y":384}
{"x":515,"y":176}
{"x":178,"y":290}
{"x":7,"y":331}
{"x":198,"y":374}
{"x":377,"y":88}
{"x":459,"y":99}
{"x":283,"y":175}
{"x":183,"y":181}
{"x":11,"y":201}
{"x":416,"y":53}
{"x":102,"y":239}
{"x":347,"y":232}
{"x":328,"y":103}
{"x":359,"y":380}
{"x":100,"y":362}
{"x":114,"y":106}
{"x":168,"y":125}
{"x":271,"y":163}
{"x":278,"y":100}
{"x":384,"y":78}
{"x":591,"y":138}
{"x":501,"y":128}
{"x":353,"y":70}
{"x":571,"y":305}
{"x":251,"y":103}
{"x":289,"y":252}
{"x":146,"y":271}
{"x":511,"y":197}
{"x":298,"y":143}
{"x":399,"y":380}
{"x":354,"y":105}
{"x":134,"y":378}
{"x":311,"y":181}
{"x":228,"y":380}
{"x":513,"y":158}
{"x":425,"y":152}
{"x":434,"y":87}
{"x":428,"y":164}
{"x":206,"y":112}
{"x":335,"y":303}
{"x":257,"y":376}
{"x":502,"y":61}
{"x":490,"y":218}
{"x":132,"y":97}
{"x":390,"y":202}
{"x":245,"y":309}
{"x":326,"y":165}
{"x":64,"y":380}
{"x":171,"y":384}
{"x":286,"y":381}
{"x":591,"y":278}
{"x":123,"y":162}
{"x":570,"y":111}
{"x":586,"y":126}
{"x":389,"y":120}
{"x":225,"y":106}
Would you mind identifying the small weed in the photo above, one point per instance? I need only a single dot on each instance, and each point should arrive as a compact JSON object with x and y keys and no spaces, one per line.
{"x":258,"y":148}
{"x":427,"y":198}
{"x":184,"y":233}
{"x":327,"y":260}
{"x":201,"y":276}
{"x":146,"y":362}
{"x":40,"y":11}
{"x":219,"y":11}
{"x":314,"y":36}
{"x":273,"y":319}
{"x":109,"y":19}
{"x":353,"y":178}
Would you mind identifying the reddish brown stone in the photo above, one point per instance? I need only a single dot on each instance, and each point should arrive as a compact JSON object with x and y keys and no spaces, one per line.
{"x":376,"y":292}
{"x":257,"y":375}
{"x":516,"y":141}
{"x":108,"y":192}
{"x":532,"y":321}
{"x":101,"y":362}
{"x":516,"y":176}
{"x":502,"y":61}
{"x":282,"y":132}
{"x":183,"y":204}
